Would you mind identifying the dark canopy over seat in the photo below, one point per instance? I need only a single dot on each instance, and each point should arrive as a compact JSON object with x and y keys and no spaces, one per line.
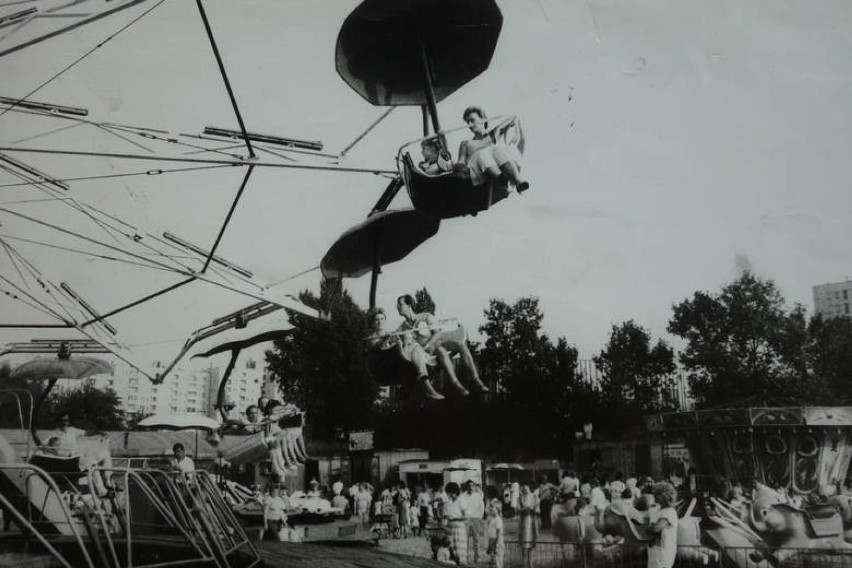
{"x":385,"y":237}
{"x":380,"y":46}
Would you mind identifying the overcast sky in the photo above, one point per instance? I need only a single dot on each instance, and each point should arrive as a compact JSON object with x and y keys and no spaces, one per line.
{"x":670,"y":144}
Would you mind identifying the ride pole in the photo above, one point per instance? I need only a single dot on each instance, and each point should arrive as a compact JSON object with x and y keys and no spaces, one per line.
{"x":220,"y":397}
{"x":36,"y":407}
{"x":431,"y":103}
{"x":377,"y":267}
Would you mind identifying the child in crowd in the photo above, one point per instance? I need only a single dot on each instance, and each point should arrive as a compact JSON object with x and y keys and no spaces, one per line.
{"x":494,"y":531}
{"x":286,"y":533}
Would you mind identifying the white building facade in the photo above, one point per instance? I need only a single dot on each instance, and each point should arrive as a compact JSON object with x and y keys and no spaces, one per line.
{"x":834,"y":299}
{"x":186,"y":390}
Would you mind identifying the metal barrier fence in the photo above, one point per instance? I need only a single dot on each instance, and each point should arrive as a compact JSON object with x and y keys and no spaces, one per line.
{"x":556,"y":555}
{"x":789,"y":557}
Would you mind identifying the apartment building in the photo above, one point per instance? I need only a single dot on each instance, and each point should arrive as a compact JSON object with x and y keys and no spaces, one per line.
{"x":833,"y":299}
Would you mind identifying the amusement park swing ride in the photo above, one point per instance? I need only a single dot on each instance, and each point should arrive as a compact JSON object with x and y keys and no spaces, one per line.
{"x":438,"y":46}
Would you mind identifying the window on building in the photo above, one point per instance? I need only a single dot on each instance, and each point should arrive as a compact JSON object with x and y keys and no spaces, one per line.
{"x":845,"y":296}
{"x":846,"y":308}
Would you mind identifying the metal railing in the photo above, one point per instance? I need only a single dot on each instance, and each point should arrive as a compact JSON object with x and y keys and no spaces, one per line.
{"x":601,"y":555}
{"x":145,"y":518}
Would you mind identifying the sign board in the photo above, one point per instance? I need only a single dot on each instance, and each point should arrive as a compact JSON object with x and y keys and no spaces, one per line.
{"x":359,"y":441}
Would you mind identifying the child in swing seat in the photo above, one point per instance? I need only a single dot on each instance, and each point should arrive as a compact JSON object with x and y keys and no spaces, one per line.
{"x":434,"y":163}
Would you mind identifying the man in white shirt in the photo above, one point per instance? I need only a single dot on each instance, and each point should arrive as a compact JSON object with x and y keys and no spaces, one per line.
{"x":180,"y":461}
{"x":64,"y":444}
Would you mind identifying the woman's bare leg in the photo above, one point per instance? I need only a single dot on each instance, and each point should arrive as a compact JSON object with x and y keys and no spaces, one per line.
{"x":418,"y":357}
{"x":447,"y":364}
{"x":511,"y":171}
{"x":467,"y":361}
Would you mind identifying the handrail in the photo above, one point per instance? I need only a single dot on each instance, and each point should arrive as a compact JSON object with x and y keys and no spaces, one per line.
{"x":25,"y":524}
{"x":51,"y":484}
{"x":24,"y":428}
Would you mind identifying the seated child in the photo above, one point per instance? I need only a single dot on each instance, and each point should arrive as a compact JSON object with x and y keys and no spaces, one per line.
{"x":287,"y":533}
{"x":434,"y":161}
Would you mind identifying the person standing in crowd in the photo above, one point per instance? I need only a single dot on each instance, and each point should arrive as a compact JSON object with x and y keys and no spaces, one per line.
{"x":508,"y":510}
{"x":662,"y":550}
{"x":527,"y":523}
{"x":363,"y":500}
{"x":403,"y":502}
{"x":337,"y":487}
{"x":439,"y":501}
{"x":424,"y":507}
{"x":339,"y":500}
{"x":274,"y":512}
{"x":494,"y":531}
{"x":475,"y":509}
{"x":545,"y":493}
{"x":456,"y":523}
{"x":569,"y":484}
{"x":586,"y":490}
{"x":515,"y":488}
{"x":597,"y":498}
{"x":616,"y":486}
{"x":633,"y":485}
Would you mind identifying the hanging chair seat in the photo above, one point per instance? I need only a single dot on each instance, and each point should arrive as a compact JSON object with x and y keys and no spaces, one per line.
{"x":450,"y":195}
{"x":389,"y":368}
{"x":453,"y":194}
{"x":65,"y":471}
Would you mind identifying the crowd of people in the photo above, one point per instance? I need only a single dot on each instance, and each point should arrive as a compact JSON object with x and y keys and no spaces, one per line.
{"x":464,"y":522}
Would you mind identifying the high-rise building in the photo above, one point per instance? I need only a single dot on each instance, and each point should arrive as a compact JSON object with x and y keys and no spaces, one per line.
{"x":185,"y":390}
{"x":833,"y":300}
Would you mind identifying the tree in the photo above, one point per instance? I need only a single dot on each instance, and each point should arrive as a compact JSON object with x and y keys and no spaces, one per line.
{"x":423,"y":302}
{"x":742,"y":342}
{"x":88,"y":407}
{"x":320,"y":365}
{"x":536,"y":381}
{"x":829,"y":354}
{"x":636,"y":376}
